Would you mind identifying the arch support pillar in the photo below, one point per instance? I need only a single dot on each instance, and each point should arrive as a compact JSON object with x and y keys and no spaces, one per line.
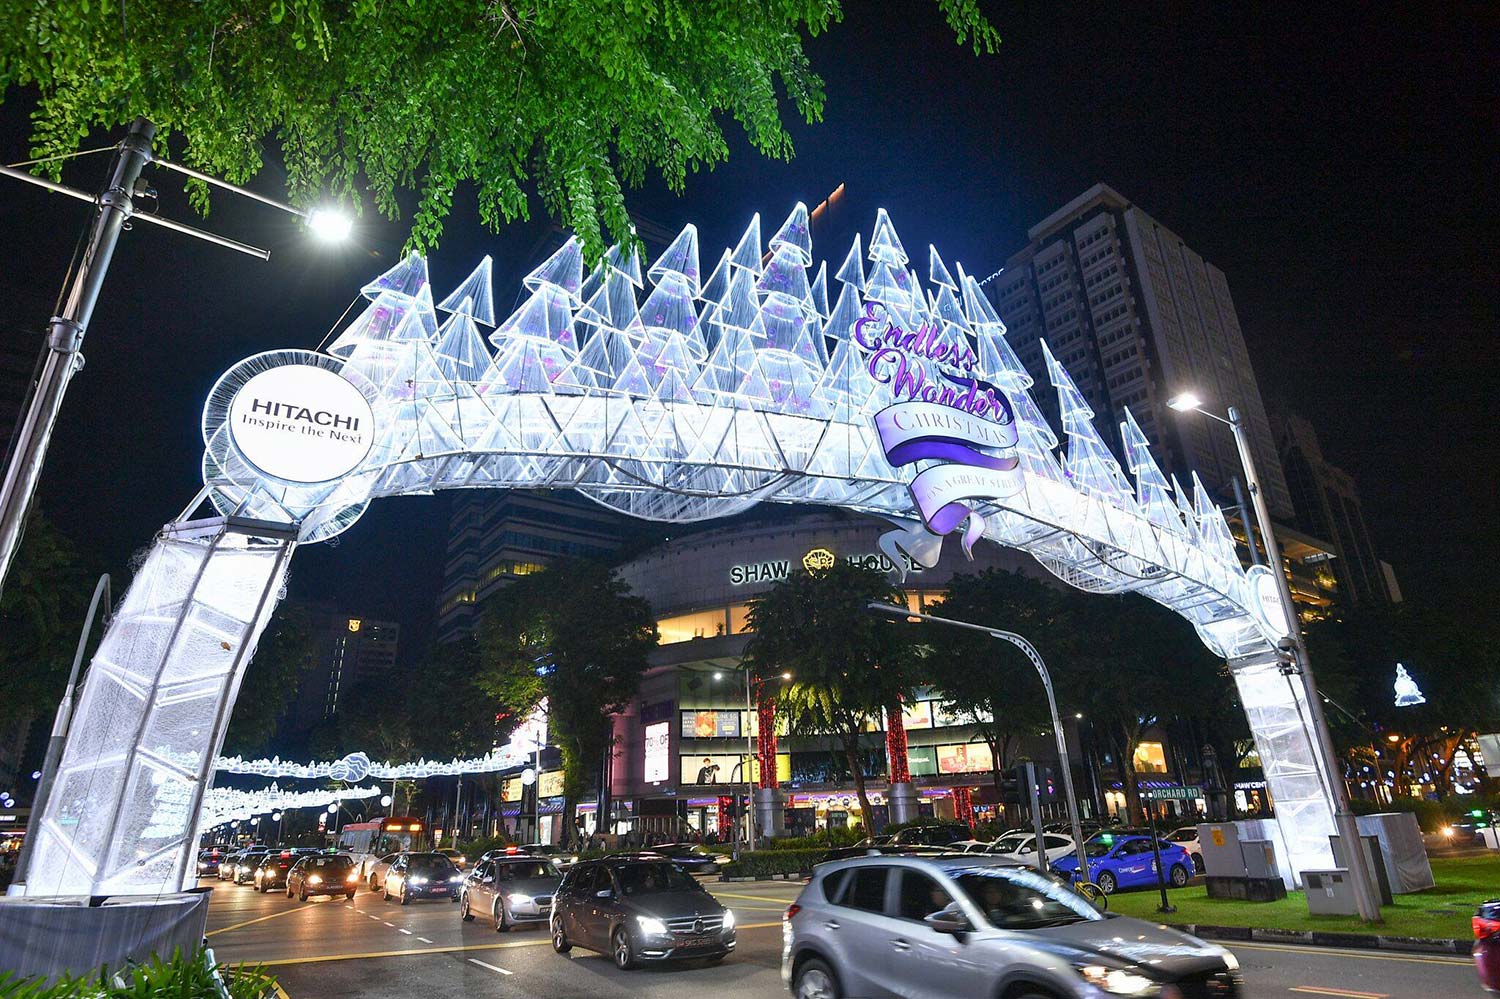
{"x":122,"y":817}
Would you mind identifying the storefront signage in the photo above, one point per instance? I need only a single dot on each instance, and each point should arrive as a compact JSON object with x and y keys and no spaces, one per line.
{"x":772,"y":570}
{"x":1265,"y":602}
{"x":703,"y":769}
{"x":945,"y":415}
{"x":658,"y":752}
{"x":301,"y":423}
{"x":708,"y":724}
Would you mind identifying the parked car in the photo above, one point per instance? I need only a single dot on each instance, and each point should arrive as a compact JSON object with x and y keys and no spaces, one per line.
{"x":512,"y":891}
{"x":379,"y":868}
{"x":962,"y":926}
{"x":209,"y":861}
{"x":417,"y":876}
{"x":859,"y":849}
{"x":323,"y":874}
{"x":1021,"y":847}
{"x":1187,"y":838}
{"x":944,"y":834}
{"x":1129,"y":862}
{"x":457,"y":856}
{"x":638,"y":911}
{"x":244,"y":868}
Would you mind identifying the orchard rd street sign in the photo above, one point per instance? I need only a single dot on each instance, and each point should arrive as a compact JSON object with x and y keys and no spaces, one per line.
{"x":1175,"y":793}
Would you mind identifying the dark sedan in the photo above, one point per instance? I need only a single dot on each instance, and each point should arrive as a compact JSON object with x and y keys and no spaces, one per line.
{"x":639,"y":911}
{"x":325,"y":874}
{"x":273,"y":868}
{"x":244,"y":868}
{"x":694,"y":858}
{"x":208,"y":863}
{"x":422,"y":875}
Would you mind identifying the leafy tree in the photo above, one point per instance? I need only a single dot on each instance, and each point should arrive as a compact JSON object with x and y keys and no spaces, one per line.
{"x":271,"y":679}
{"x":990,"y":683}
{"x":572,"y":634}
{"x":1128,"y":664}
{"x":573,"y":99}
{"x":847,"y":665}
{"x":450,"y":714}
{"x":41,"y":611}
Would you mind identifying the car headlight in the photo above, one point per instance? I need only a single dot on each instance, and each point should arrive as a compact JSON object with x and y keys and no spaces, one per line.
{"x":728,"y":919}
{"x":652,"y":926}
{"x":518,"y":899}
{"x":1230,"y":961}
{"x":1116,"y":981}
{"x":352,"y":878}
{"x":456,"y":878}
{"x":314,"y":879}
{"x":417,"y":880}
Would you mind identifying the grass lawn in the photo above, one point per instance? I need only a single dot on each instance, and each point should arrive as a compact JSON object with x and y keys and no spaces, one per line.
{"x":1442,"y":911}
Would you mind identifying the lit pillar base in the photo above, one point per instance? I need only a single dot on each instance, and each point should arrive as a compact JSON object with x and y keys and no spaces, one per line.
{"x":770,"y":812}
{"x":902,"y":800}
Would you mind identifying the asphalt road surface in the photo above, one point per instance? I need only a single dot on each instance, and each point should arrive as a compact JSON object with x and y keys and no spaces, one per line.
{"x":381,"y":950}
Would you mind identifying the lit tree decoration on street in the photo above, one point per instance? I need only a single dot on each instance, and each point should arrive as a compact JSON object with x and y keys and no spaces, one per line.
{"x":1407,"y":691}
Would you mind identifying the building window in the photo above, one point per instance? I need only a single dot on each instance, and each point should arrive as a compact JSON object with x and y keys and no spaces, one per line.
{"x":1149,"y":758}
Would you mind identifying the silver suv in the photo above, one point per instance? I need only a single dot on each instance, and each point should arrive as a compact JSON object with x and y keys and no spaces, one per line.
{"x":968,"y":926}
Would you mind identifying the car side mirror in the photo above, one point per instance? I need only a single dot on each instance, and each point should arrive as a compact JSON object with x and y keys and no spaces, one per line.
{"x":488,"y":879}
{"x":950,"y":920}
{"x":605,"y":893}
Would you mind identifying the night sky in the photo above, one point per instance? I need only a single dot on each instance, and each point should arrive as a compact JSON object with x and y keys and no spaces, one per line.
{"x":1339,"y":167}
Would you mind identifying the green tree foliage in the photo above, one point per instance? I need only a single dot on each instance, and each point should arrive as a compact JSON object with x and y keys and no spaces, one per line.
{"x":1455,"y":663}
{"x":847,"y":664}
{"x":988,"y":682}
{"x":575,"y":635}
{"x":271,"y":680}
{"x":41,"y":612}
{"x":450,"y":713}
{"x":575,"y":100}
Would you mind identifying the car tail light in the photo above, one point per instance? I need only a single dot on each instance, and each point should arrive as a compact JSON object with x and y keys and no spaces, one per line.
{"x":791,"y":911}
{"x":1484,"y":927}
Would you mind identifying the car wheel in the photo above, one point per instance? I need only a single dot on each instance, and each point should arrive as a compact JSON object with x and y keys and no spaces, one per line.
{"x":1106,"y":882}
{"x":559,"y":938}
{"x":464,"y":912}
{"x":288,"y":891}
{"x":815,"y":980}
{"x":385,"y":892}
{"x":501,"y":923}
{"x":349,"y":895}
{"x":1179,"y":876}
{"x":621,"y":950}
{"x":302,"y":896}
{"x":405,"y":898}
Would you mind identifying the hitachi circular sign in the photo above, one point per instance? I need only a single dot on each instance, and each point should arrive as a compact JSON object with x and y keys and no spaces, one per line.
{"x":301,"y":423}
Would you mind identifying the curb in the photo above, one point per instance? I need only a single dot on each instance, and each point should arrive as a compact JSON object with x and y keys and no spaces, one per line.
{"x":1316,"y":938}
{"x":763,"y":877}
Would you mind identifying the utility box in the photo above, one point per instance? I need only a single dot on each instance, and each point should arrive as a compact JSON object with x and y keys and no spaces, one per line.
{"x":1239,"y":868}
{"x":1373,"y":857}
{"x":1220,"y":843}
{"x":1330,"y":892}
{"x":1260,"y":858}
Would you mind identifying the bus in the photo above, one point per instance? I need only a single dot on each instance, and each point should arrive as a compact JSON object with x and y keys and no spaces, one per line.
{"x":368,"y":841}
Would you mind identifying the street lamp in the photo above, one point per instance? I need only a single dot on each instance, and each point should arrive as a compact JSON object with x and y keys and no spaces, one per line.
{"x":1057,"y":729}
{"x":126,"y":197}
{"x":1343,"y":819}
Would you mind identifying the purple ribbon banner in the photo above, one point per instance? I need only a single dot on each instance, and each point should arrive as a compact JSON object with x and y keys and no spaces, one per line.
{"x":927,"y":431}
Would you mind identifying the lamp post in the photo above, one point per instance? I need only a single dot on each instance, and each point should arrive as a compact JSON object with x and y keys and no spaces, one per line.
{"x":1344,"y":821}
{"x":1041,"y":668}
{"x":118,"y":203}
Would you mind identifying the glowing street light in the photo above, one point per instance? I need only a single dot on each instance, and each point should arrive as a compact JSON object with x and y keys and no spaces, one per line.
{"x":1185,"y":402}
{"x":329,"y":224}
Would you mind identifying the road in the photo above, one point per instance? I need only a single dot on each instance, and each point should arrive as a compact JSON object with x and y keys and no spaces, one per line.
{"x":381,"y":950}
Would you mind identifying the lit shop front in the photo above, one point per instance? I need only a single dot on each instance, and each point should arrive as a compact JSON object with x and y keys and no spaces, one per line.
{"x":690,"y":749}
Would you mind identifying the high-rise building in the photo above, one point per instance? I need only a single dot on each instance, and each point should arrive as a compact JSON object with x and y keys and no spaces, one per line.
{"x":1136,"y":316}
{"x":347,"y":650}
{"x":1326,"y":501}
{"x":496,"y":537}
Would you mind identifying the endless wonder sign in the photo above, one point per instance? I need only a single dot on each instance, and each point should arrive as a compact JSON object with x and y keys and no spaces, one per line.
{"x":664,"y":394}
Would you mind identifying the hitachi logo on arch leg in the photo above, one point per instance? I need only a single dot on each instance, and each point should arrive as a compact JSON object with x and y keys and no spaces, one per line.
{"x":321,"y":417}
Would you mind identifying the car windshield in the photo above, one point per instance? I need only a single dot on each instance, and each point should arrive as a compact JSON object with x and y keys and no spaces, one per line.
{"x":523,"y":869}
{"x":1099,"y":847}
{"x":431,"y":864}
{"x":1009,"y":844}
{"x":1020,"y":900}
{"x":329,"y":863}
{"x":649,"y":879}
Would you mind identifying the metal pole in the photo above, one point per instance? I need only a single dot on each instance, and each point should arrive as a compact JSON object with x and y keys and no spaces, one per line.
{"x":458,"y":797}
{"x":65,"y":338}
{"x":1034,"y":792}
{"x":1239,"y":498}
{"x":1161,"y":882}
{"x":1343,"y":819}
{"x":1057,"y":729}
{"x":59,"y":736}
{"x":750,"y":765}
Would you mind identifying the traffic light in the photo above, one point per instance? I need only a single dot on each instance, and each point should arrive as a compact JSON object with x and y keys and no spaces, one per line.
{"x":1013,"y":787}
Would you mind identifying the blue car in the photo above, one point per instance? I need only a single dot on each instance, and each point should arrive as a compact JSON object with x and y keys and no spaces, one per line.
{"x":1128,"y":862}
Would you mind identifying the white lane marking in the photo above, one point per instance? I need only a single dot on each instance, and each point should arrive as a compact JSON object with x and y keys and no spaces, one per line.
{"x":424,"y":940}
{"x":391,"y":925}
{"x":407,"y":932}
{"x":502,"y":971}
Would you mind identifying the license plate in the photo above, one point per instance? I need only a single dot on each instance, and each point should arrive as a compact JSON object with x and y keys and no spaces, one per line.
{"x":694,"y":942}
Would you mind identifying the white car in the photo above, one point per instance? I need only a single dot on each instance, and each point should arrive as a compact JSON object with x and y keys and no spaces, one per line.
{"x":1187,"y":838}
{"x":1021,"y":847}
